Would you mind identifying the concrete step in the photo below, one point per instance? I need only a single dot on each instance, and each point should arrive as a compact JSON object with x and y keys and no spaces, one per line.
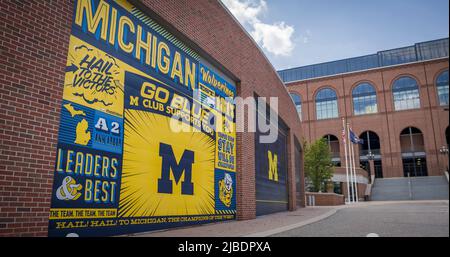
{"x":430,"y":188}
{"x":422,"y":188}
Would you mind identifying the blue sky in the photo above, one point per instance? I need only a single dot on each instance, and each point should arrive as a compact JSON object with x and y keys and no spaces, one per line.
{"x":300,"y":32}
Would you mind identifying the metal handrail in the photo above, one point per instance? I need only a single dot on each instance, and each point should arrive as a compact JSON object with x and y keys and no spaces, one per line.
{"x":410,"y":187}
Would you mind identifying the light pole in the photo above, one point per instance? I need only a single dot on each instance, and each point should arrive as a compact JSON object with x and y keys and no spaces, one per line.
{"x":370,"y":156}
{"x":444,"y":150}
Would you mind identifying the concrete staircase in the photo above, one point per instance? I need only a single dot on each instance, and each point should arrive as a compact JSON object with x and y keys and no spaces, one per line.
{"x":416,"y":188}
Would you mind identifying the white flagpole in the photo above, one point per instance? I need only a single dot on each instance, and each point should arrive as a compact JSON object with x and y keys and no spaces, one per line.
{"x":346,"y":160}
{"x":355,"y":183}
{"x":350,"y":161}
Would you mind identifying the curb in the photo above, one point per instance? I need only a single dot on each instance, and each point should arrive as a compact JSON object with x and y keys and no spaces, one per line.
{"x":296,"y":225}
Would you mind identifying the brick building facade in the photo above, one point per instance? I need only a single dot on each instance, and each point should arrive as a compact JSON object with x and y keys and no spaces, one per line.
{"x":34,"y":39}
{"x":407,"y":125}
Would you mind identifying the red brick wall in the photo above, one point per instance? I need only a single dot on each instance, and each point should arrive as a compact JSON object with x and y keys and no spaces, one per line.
{"x":361,"y":190}
{"x":33,"y":49}
{"x":431,"y":118}
{"x":34,"y":38}
{"x":325,"y":199}
{"x":360,"y":186}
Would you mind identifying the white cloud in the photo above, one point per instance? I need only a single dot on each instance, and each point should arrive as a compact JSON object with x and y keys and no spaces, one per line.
{"x":247,"y":11}
{"x":275,"y":38}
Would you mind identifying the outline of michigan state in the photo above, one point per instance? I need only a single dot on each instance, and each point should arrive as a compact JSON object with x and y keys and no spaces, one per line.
{"x":72,"y":110}
{"x":82,"y":135}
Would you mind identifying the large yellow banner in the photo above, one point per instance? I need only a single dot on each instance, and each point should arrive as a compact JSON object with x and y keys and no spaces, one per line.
{"x":146,"y":138}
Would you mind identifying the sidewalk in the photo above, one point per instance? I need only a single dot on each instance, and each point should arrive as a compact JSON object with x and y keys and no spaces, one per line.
{"x":259,"y":227}
{"x":266,"y":225}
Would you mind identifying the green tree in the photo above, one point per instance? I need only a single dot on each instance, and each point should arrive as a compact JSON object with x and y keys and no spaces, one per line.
{"x":318,"y":165}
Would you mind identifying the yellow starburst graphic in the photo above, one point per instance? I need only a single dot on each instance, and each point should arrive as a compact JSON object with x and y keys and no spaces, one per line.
{"x":142,"y":167}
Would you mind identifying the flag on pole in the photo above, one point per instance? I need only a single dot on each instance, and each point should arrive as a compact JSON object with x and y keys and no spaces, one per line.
{"x":350,"y":163}
{"x":353,"y":172}
{"x":355,"y":139}
{"x":349,"y":199}
{"x":343,"y":134}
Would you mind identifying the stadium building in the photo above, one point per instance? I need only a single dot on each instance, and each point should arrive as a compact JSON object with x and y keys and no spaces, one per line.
{"x":395,"y":100}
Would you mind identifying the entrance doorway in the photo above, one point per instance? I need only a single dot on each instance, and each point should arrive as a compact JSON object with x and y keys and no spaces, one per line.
{"x":413,"y":152}
{"x":416,"y":167}
{"x":271,"y":168}
{"x":371,"y":145}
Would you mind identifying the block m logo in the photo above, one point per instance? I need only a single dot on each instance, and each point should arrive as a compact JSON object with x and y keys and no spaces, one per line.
{"x":273,"y":166}
{"x":169,"y":163}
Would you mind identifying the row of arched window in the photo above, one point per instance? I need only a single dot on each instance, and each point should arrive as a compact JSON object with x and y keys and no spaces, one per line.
{"x":412,"y":146}
{"x":405,"y":91}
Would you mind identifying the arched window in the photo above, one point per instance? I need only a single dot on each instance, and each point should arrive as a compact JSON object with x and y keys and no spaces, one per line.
{"x":298,"y":104}
{"x":371,"y":143}
{"x":442,"y":88}
{"x":364,"y":99}
{"x":406,"y":94}
{"x":411,"y":140}
{"x":326,"y":104}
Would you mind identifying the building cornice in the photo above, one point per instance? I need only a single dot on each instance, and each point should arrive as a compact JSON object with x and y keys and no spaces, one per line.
{"x":340,"y":75}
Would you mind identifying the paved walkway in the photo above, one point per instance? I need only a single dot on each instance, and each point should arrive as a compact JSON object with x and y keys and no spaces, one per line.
{"x":402,"y":219}
{"x":267,"y":225}
{"x":261,"y":226}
